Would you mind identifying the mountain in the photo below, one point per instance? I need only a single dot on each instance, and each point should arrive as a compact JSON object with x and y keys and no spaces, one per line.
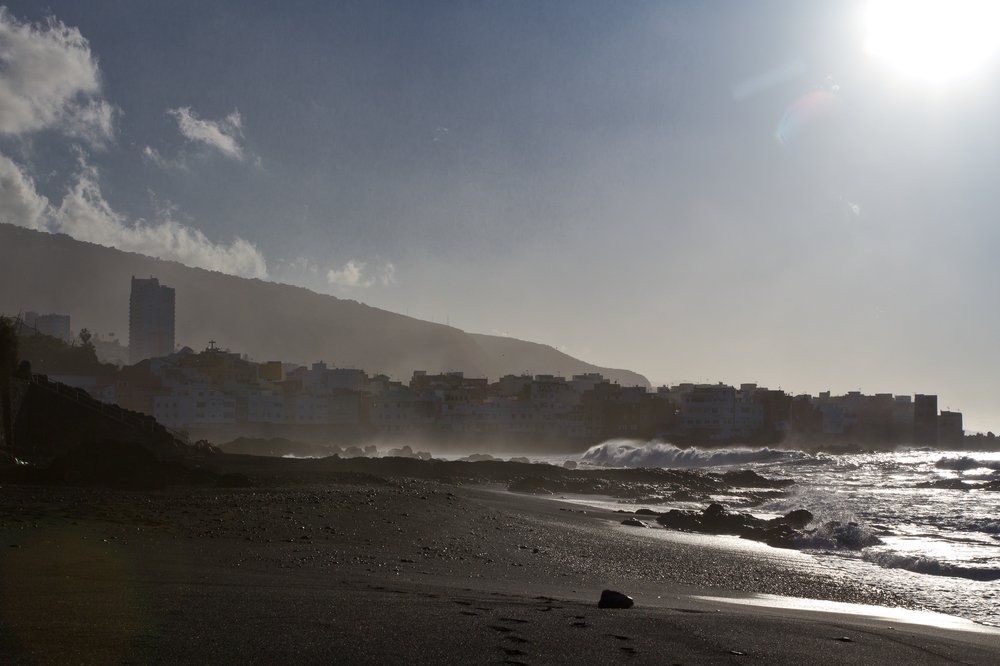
{"x":266,"y":320}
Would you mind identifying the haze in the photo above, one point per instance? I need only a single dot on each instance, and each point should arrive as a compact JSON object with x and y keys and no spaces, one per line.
{"x":718,"y":191}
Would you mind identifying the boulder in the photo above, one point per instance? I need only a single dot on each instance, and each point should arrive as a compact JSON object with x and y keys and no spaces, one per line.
{"x":612,"y":599}
{"x":750,"y":479}
{"x":797,"y":519}
{"x":777,"y":536}
{"x":634,"y":522}
{"x":781,"y":532}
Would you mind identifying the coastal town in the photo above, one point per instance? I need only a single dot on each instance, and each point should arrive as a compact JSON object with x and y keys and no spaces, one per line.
{"x":220,"y":394}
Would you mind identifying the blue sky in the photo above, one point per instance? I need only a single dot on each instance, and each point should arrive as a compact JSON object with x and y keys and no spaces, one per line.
{"x":603,"y":177}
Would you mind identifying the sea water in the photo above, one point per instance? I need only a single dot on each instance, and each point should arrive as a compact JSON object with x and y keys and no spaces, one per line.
{"x":940,"y":547}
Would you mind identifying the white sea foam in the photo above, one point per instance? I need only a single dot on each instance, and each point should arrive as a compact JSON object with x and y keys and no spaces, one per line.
{"x":634,"y":453}
{"x":924,"y":564}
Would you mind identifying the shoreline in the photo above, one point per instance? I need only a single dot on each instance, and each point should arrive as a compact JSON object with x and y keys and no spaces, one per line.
{"x":406,"y":565}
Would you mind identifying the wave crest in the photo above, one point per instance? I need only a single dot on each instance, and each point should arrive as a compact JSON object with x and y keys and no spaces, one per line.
{"x":929,"y":566}
{"x":631,"y":453}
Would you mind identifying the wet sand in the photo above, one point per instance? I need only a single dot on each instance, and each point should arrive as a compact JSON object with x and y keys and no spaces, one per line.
{"x":357,"y":569}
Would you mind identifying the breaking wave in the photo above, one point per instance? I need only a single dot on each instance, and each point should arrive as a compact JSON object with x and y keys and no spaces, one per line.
{"x":966,"y":463}
{"x":630,"y":453}
{"x":929,"y":566}
{"x":836,"y":536}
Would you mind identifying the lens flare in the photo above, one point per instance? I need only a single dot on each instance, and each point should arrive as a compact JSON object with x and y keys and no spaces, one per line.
{"x":934,"y":41}
{"x":803,"y":112}
{"x":66,"y":594}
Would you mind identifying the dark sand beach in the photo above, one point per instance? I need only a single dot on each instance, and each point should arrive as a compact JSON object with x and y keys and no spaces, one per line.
{"x":314,"y":567}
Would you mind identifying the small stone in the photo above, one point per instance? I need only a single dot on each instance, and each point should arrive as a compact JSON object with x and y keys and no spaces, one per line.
{"x":612,"y":599}
{"x":634,"y":522}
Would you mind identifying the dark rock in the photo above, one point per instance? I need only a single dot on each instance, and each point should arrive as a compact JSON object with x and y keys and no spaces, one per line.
{"x":634,"y":522}
{"x":797,"y":519}
{"x":475,"y":457}
{"x":646,"y":512}
{"x":959,"y":464}
{"x":779,"y":532}
{"x":750,"y":479}
{"x":612,"y":599}
{"x":946,"y":484}
{"x":684,"y":496}
{"x":776,"y":536}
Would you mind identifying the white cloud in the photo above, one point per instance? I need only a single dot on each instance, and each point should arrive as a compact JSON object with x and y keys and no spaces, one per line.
{"x":20,"y":203}
{"x":85,"y":215}
{"x":153,"y":155}
{"x":353,"y":275}
{"x":222,"y":134}
{"x":50,"y":80}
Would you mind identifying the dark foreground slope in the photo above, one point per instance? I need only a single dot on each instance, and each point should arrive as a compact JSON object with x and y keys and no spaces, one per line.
{"x":360,"y":569}
{"x":54,"y":273}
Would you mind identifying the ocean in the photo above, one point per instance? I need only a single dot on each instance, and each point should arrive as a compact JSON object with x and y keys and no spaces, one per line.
{"x":940,"y":545}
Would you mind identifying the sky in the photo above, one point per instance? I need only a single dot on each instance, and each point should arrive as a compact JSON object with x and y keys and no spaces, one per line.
{"x":801,"y":195}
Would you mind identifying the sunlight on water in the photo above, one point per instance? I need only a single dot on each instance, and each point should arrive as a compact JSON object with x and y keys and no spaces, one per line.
{"x":940,"y":544}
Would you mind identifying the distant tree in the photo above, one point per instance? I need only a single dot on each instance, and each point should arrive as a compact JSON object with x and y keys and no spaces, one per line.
{"x":8,"y":364}
{"x":524,"y":395}
{"x":51,"y":356}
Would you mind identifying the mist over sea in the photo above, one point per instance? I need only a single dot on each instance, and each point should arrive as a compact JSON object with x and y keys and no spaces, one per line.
{"x":940,"y":545}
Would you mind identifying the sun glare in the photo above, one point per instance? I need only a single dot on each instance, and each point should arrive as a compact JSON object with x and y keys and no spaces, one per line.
{"x":934,"y":41}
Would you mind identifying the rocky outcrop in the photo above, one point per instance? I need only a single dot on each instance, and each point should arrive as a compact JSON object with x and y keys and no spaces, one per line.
{"x":54,"y":418}
{"x":715,"y":519}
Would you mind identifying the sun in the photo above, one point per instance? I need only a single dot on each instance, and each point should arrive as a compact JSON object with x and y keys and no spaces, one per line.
{"x":934,"y":41}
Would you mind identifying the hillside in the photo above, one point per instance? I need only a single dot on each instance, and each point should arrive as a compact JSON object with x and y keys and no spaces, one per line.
{"x":269,"y":321}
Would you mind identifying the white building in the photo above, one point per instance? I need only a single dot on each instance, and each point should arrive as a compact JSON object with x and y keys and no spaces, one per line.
{"x":402,"y":410}
{"x":306,"y":409}
{"x":194,"y":406}
{"x":709,"y":409}
{"x":748,"y":414}
{"x":265,"y":407}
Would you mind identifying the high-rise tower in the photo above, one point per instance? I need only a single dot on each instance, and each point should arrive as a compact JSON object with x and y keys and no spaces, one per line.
{"x":150,"y":320}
